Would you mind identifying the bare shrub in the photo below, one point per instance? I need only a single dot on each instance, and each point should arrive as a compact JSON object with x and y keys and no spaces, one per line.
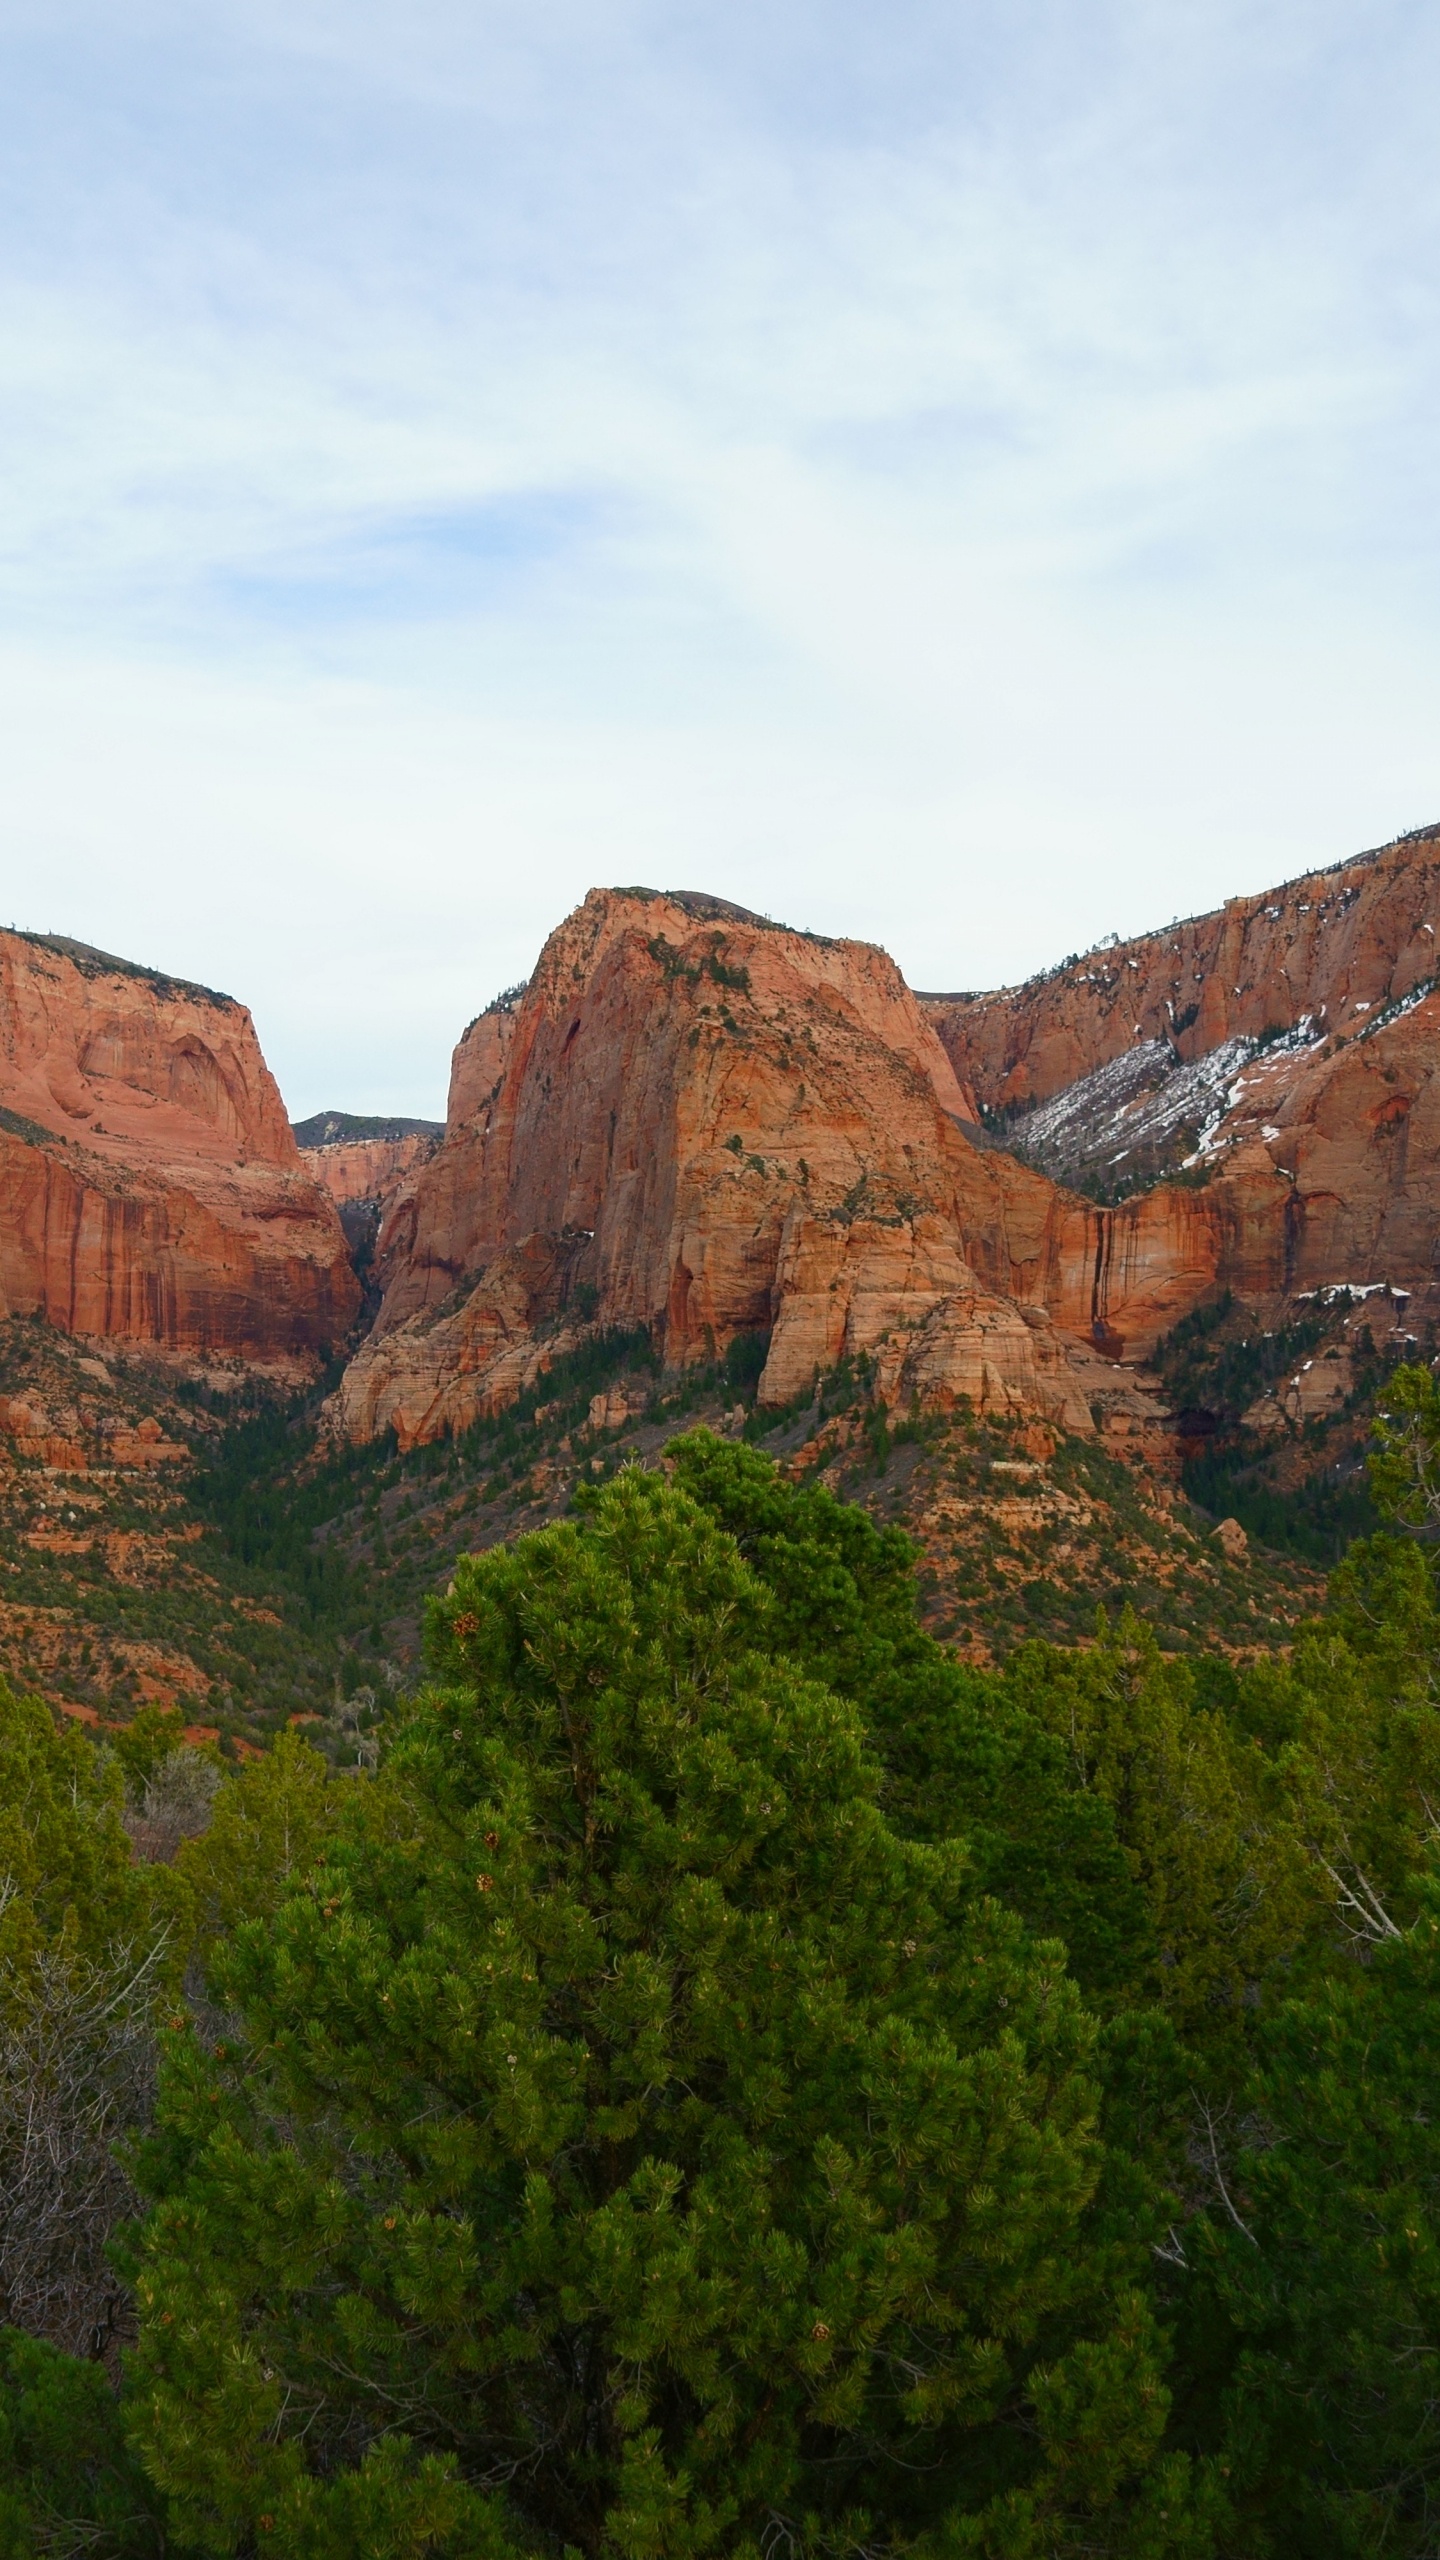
{"x":77,"y":2074}
{"x":177,"y":1804}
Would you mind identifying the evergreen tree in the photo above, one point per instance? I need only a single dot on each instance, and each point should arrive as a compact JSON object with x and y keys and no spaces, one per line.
{"x":1318,"y":2276}
{"x":963,"y":1754}
{"x":1206,"y":1819}
{"x":634,"y":2143}
{"x":69,"y":2487}
{"x":83,"y":1940}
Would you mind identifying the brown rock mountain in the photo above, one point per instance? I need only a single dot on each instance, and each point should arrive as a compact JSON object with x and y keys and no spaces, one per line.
{"x":705,"y":1124}
{"x":150,"y":1187}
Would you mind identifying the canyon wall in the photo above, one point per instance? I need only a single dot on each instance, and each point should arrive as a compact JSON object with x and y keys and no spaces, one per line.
{"x":703,"y":1124}
{"x":480,"y":1057}
{"x":353,"y":1170}
{"x":150,"y":1187}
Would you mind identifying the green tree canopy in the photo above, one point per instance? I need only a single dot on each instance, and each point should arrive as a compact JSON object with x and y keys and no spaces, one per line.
{"x":634,"y":2144}
{"x":962,"y":1754}
{"x":1318,"y":2284}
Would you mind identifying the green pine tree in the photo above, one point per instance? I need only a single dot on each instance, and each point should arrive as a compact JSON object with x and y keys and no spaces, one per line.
{"x":633,"y":2143}
{"x":1317,"y":2288}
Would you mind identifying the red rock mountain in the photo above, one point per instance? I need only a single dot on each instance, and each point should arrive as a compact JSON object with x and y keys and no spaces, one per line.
{"x":697,"y":1122}
{"x":1279,"y":1054}
{"x":355,"y":1170}
{"x":150,"y":1187}
{"x":1336,"y":946}
{"x":705,"y":1124}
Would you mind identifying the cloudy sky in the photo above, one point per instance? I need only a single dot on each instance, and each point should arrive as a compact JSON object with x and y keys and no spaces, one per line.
{"x":963,"y":475}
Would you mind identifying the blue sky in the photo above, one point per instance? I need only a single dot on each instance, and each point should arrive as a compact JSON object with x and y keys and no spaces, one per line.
{"x":964,"y":476}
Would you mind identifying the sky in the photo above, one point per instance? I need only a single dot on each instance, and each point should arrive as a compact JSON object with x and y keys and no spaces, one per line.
{"x":960,"y":475}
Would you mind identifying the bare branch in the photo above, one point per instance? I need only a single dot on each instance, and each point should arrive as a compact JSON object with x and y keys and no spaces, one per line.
{"x":1225,"y":2196}
{"x":1372,"y":1923}
{"x":77,"y":2069}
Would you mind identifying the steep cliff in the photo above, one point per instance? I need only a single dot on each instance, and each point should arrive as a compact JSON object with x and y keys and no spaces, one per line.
{"x":704,"y":1124}
{"x":365,"y":1164}
{"x":150,"y":1187}
{"x":480,"y":1057}
{"x":367,"y":1169}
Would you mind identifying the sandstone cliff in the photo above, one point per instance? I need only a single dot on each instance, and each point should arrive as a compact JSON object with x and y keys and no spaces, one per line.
{"x":150,"y":1187}
{"x":480,"y":1057}
{"x":705,"y":1124}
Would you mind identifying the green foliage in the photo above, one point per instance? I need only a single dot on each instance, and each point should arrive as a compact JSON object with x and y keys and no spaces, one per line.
{"x":30,"y":1132}
{"x":1405,"y":1468}
{"x":635,"y":2144}
{"x":1321,"y":2315}
{"x":1202,"y":1814}
{"x":744,"y":1361}
{"x":69,"y":2486}
{"x":266,"y":1495}
{"x":71,"y":1890}
{"x":1315,"y":1519}
{"x":271,"y":1825}
{"x":144,"y":1740}
{"x":964,"y":1756}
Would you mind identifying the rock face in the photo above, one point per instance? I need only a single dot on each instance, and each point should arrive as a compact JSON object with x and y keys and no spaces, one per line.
{"x":1279,"y":1055}
{"x":704,"y":1124}
{"x":365,"y":1169}
{"x":699,"y":1123}
{"x":365,"y":1164}
{"x":480,"y":1058}
{"x":1338,"y":946}
{"x":150,"y":1187}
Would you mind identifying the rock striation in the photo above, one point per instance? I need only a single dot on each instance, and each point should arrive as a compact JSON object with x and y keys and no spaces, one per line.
{"x":150,"y":1187}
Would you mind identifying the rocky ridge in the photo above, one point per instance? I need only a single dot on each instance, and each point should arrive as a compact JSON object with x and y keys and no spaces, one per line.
{"x":1261,"y":1081}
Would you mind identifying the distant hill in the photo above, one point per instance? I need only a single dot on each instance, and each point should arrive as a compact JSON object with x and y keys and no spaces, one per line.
{"x":339,"y":1128}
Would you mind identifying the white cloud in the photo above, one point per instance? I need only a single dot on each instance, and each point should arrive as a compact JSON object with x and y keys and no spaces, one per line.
{"x":959,"y":476}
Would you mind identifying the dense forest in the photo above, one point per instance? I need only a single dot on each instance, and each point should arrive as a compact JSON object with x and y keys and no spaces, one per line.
{"x":723,"y":2075}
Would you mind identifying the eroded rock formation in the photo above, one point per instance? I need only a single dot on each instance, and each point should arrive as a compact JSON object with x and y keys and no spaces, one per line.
{"x":150,"y":1187}
{"x":705,"y":1124}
